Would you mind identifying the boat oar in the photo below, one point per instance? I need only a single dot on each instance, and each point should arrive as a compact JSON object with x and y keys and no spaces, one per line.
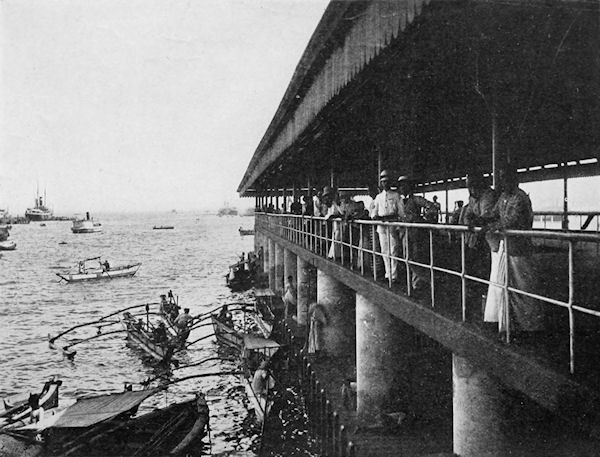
{"x":92,"y":338}
{"x":203,"y":324}
{"x":51,"y":340}
{"x":199,"y":339}
{"x":147,"y":382}
{"x":208,"y":313}
{"x":201,"y":375}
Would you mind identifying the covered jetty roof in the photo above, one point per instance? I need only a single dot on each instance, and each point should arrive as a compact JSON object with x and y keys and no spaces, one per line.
{"x":425,"y":87}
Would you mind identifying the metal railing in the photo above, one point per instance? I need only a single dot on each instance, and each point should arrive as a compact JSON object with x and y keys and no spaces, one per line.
{"x":323,"y":421}
{"x":426,"y":247}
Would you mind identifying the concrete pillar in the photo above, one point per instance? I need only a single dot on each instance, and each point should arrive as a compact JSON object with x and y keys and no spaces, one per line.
{"x":380,"y":348}
{"x":278,"y":288}
{"x":338,"y":303}
{"x":480,"y":407}
{"x":290,"y":267}
{"x":271,"y":249}
{"x":307,"y":289}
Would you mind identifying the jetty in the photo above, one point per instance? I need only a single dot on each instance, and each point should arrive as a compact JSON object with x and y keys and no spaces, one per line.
{"x":432,"y":89}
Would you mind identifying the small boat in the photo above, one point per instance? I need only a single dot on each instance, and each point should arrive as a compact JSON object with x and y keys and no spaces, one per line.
{"x":86,"y":225}
{"x":163,"y":227}
{"x":42,"y":225}
{"x":153,"y":340}
{"x":8,"y":245}
{"x":21,"y":409}
{"x":239,"y":277}
{"x":108,"y":425}
{"x":268,"y":308}
{"x":103,"y":271}
{"x":252,"y":349}
{"x":244,"y":232}
{"x":225,"y":333}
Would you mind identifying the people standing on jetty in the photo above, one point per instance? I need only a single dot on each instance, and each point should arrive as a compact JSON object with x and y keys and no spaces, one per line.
{"x":289,"y":298}
{"x":417,"y":245}
{"x":386,"y":207}
{"x":477,"y":213}
{"x":512,"y":211}
{"x":332,"y":211}
{"x":317,"y":320}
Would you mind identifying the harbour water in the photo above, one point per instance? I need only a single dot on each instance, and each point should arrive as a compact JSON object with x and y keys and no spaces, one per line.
{"x":190,"y":260}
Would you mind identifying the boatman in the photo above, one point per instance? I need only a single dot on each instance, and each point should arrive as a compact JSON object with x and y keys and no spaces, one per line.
{"x":183,"y":323}
{"x":262,"y":381}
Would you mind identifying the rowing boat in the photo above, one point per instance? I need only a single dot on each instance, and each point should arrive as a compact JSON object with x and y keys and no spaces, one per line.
{"x":100,"y":272}
{"x":21,"y":409}
{"x":154,"y":342}
{"x":107,"y":425}
{"x":252,"y":350}
{"x":8,"y":245}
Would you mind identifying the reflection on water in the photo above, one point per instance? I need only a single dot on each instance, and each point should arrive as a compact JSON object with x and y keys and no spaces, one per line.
{"x":191,"y":260}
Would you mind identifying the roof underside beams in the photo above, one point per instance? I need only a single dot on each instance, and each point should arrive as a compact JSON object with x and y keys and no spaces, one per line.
{"x":422,"y":88}
{"x":374,"y":26}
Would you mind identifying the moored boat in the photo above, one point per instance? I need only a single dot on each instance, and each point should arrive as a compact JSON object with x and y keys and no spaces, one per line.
{"x":86,"y":225}
{"x":153,"y":340}
{"x":39,"y":212}
{"x":254,"y":351}
{"x":244,"y":232}
{"x":20,"y":410}
{"x":8,"y":245}
{"x":103,"y":271}
{"x":108,"y":425}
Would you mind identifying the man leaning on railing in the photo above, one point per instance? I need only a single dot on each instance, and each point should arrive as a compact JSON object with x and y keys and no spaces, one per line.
{"x":512,"y":211}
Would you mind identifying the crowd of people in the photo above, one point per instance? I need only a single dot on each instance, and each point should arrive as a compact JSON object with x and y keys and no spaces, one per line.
{"x":488,"y":251}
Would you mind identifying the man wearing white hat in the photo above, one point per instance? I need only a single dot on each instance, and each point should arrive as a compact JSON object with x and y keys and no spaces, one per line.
{"x":387,"y":208}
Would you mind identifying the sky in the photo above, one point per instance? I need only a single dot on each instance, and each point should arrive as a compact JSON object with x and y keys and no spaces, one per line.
{"x":140,"y":105}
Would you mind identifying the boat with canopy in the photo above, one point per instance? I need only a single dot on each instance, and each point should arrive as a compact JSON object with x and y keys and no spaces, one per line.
{"x":108,"y":424}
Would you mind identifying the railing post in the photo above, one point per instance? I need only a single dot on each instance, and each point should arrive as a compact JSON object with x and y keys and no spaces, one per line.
{"x":335,"y":438}
{"x":351,"y":450}
{"x":432,"y":276}
{"x":506,"y":316}
{"x":343,"y":442}
{"x":405,"y":246}
{"x":463,"y":281}
{"x":571,"y":314}
{"x":389,"y":255}
{"x":361,"y":248}
{"x":327,"y":422}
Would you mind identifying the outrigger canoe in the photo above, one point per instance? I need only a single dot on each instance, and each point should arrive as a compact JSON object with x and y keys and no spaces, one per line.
{"x":21,"y":409}
{"x":119,"y":271}
{"x":141,"y":336}
{"x":105,"y":426}
{"x":252,"y":350}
